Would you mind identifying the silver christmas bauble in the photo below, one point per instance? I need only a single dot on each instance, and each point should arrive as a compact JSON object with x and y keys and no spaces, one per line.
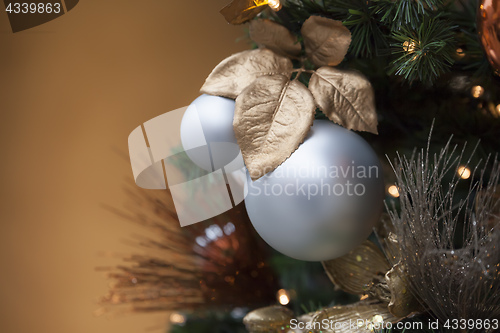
{"x":207,"y":134}
{"x":321,"y":202}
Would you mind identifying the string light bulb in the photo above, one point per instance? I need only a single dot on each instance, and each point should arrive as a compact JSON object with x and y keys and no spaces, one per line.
{"x":409,"y":46}
{"x":393,"y":191}
{"x":464,"y":172}
{"x":177,"y":318}
{"x":283,"y":297}
{"x":274,"y":4}
{"x":477,"y":91}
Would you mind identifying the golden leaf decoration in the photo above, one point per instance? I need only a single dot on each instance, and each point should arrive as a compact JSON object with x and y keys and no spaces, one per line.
{"x":369,"y":312}
{"x":235,"y":73}
{"x":269,"y":319}
{"x":241,"y":11}
{"x":403,"y":302}
{"x":272,"y":117}
{"x":385,"y":232}
{"x":346,"y":98}
{"x":326,"y":40}
{"x":355,"y":272}
{"x":275,"y":37}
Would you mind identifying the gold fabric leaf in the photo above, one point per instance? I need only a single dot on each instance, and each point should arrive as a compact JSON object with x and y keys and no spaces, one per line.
{"x":346,"y":98}
{"x":271,"y":119}
{"x":355,"y":272}
{"x":275,"y":37}
{"x":385,"y":232}
{"x":241,"y":11}
{"x":269,"y":319}
{"x":366,"y":315}
{"x":326,"y":40}
{"x":403,"y":302}
{"x":234,"y":74}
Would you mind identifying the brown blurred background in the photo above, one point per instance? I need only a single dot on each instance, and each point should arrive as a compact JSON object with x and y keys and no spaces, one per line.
{"x":71,"y":91}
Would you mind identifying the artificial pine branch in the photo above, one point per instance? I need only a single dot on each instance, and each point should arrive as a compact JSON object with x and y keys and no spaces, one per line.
{"x":405,"y":12}
{"x":438,"y":29}
{"x":368,"y":38}
{"x":426,"y":52}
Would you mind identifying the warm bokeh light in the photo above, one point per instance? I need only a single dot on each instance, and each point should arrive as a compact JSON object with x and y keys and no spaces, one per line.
{"x":284,"y":300}
{"x":460,"y":52}
{"x":274,"y":4}
{"x":283,"y":297}
{"x":409,"y":46}
{"x":177,"y":318}
{"x":477,"y":91}
{"x":464,"y":172}
{"x":497,"y":109}
{"x":393,"y":191}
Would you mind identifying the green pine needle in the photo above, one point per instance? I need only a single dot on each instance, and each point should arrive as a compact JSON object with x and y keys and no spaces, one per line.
{"x":425,"y":53}
{"x":433,"y":31}
{"x":401,"y":13}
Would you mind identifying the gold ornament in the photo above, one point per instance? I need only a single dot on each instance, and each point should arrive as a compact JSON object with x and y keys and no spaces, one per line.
{"x":355,"y":272}
{"x":367,"y":316}
{"x":403,"y":302}
{"x":366,"y":271}
{"x":488,"y":26}
{"x":270,"y":319}
{"x":272,"y":118}
{"x":241,"y":11}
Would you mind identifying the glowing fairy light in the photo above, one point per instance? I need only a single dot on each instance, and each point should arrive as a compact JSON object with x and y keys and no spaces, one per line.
{"x":283,"y":297}
{"x":177,"y":318}
{"x":460,"y":53}
{"x":284,"y":300}
{"x":274,"y":4}
{"x":497,"y":109}
{"x":477,"y":91}
{"x":464,"y":172}
{"x":393,"y":191}
{"x":409,"y":46}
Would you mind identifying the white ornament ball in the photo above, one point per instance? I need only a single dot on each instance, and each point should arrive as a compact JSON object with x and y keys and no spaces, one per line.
{"x":207,"y":134}
{"x":324,"y":200}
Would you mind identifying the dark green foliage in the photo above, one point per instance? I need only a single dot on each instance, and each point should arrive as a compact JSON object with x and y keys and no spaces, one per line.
{"x":430,"y":46}
{"x":380,"y":29}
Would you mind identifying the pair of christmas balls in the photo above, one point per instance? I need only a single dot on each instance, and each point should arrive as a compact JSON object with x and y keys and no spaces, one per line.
{"x":319,"y":204}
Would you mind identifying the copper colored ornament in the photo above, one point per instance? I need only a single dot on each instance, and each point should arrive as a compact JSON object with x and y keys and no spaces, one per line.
{"x":219,"y":263}
{"x":488,"y":26}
